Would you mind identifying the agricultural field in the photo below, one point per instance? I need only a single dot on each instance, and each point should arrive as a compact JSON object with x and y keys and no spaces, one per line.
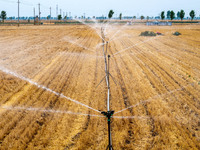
{"x":49,"y":97}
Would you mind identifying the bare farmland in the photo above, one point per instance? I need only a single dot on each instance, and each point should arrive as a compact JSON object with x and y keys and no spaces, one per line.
{"x":48,"y":74}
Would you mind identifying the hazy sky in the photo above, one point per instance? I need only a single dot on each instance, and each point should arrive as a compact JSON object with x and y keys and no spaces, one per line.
{"x":100,"y":7}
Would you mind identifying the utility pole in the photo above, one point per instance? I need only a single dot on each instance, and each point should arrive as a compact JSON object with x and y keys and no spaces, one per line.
{"x":56,"y":10}
{"x":39,"y":12}
{"x":34,"y":14}
{"x":18,"y":13}
{"x":50,"y":14}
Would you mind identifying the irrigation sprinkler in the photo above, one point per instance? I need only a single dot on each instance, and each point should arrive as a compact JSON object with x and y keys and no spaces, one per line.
{"x":109,"y":112}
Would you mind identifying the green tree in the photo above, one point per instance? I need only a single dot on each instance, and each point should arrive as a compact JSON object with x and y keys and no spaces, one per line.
{"x":120,"y":16}
{"x":142,"y":17}
{"x":178,"y":14}
{"x":3,"y":15}
{"x":182,"y":14}
{"x":168,"y":14}
{"x":172,"y":15}
{"x":48,"y":17}
{"x":147,"y":18}
{"x":111,"y":12}
{"x":59,"y":17}
{"x":192,"y":14}
{"x":162,"y":15}
{"x":134,"y":17}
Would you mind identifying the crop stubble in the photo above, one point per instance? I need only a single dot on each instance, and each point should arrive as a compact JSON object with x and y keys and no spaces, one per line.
{"x":165,"y":66}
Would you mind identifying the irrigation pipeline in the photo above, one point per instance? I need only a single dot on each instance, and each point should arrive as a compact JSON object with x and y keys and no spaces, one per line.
{"x":109,"y":113}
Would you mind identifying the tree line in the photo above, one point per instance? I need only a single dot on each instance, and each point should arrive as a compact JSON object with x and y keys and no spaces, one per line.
{"x":180,"y":14}
{"x":170,"y":15}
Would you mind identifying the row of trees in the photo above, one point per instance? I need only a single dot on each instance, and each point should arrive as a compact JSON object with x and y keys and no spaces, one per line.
{"x":180,"y":14}
{"x":170,"y":15}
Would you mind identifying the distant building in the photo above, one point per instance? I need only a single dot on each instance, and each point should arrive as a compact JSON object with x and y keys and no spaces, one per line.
{"x":159,"y":23}
{"x":127,"y":17}
{"x":101,"y":18}
{"x":157,"y":17}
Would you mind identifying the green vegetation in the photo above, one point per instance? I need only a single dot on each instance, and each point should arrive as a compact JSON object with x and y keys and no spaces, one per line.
{"x":48,"y":17}
{"x":111,"y":12}
{"x":120,"y":16}
{"x":162,"y":15}
{"x":59,"y":17}
{"x":182,"y":14}
{"x":3,"y":15}
{"x":142,"y":17}
{"x":178,"y":14}
{"x":148,"y":33}
{"x":176,"y":33}
{"x":192,"y":14}
{"x":168,"y":14}
{"x":172,"y":15}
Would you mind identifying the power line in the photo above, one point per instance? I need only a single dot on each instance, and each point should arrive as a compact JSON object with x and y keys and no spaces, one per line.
{"x":10,"y":1}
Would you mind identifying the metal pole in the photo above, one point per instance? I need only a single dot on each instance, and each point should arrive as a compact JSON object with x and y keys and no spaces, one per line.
{"x":34,"y":14}
{"x":56,"y":11}
{"x":109,"y":118}
{"x":18,"y":13}
{"x":108,"y":85}
{"x":106,"y":47}
{"x":109,"y":70}
{"x":39,"y":13}
{"x":50,"y":14}
{"x":109,"y":113}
